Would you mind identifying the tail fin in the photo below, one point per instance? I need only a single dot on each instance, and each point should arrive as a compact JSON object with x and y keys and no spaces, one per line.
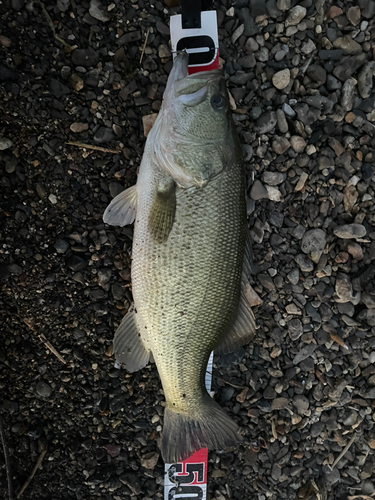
{"x":209,"y":427}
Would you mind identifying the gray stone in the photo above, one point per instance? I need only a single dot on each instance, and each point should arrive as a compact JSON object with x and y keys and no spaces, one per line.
{"x":295,"y":329}
{"x":301,"y":403}
{"x":347,"y":94}
{"x":104,"y":275}
{"x":258,"y":191}
{"x":103,"y":135}
{"x":333,"y":83}
{"x":348,"y":66}
{"x":266,"y":122}
{"x":365,"y":79}
{"x":296,"y":14}
{"x":347,"y":44}
{"x":5,"y":143}
{"x":313,"y":243}
{"x":281,"y":79}
{"x":304,"y":353}
{"x":304,"y":263}
{"x":279,"y":146}
{"x":43,"y":389}
{"x":97,"y":11}
{"x":61,"y":246}
{"x":85,"y":57}
{"x":293,"y":276}
{"x":282,"y":124}
{"x":331,"y":476}
{"x":316,"y":429}
{"x":343,"y":288}
{"x":368,"y":300}
{"x":273,"y":178}
{"x":348,"y":231}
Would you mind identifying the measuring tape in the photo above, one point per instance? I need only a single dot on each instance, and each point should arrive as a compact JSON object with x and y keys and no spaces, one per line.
{"x":187,"y":480}
{"x":196,"y":32}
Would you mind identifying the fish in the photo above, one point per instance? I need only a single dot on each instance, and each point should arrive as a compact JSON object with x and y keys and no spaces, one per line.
{"x":191,"y":257}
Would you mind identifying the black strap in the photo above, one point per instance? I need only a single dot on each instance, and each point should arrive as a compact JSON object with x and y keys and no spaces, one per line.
{"x":191,"y":12}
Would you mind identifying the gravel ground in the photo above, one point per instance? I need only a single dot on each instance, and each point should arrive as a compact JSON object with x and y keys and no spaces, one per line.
{"x":301,"y":78}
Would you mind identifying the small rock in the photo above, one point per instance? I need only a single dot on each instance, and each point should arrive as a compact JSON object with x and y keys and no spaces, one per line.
{"x":354,"y":15}
{"x":58,"y":89}
{"x":52,"y":198}
{"x":281,"y":79}
{"x":97,"y":11}
{"x":280,"y":145}
{"x":76,"y":263}
{"x":348,"y":65}
{"x":5,"y":143}
{"x":304,"y":263}
{"x":5,"y":41}
{"x":130,"y":479}
{"x":295,"y":16}
{"x":273,"y":193}
{"x":313,"y":243}
{"x":103,"y":135}
{"x":331,"y":476}
{"x":79,"y":127}
{"x":251,"y":296}
{"x":298,"y":143}
{"x":347,"y":94}
{"x":365,"y":79}
{"x":76,"y":82}
{"x":368,"y":300}
{"x":43,"y":389}
{"x":347,"y":44}
{"x":355,"y":250}
{"x":61,"y":246}
{"x":333,"y":12}
{"x":295,"y":329}
{"x":348,"y":231}
{"x":317,"y":74}
{"x":85,"y":57}
{"x":104,"y":275}
{"x":266,"y":122}
{"x":308,"y":47}
{"x":237,"y":33}
{"x":148,"y":122}
{"x":343,"y":288}
{"x":273,"y":178}
{"x":149,"y":460}
{"x":283,"y":5}
{"x":163,"y":51}
{"x":301,"y":403}
{"x":281,"y":121}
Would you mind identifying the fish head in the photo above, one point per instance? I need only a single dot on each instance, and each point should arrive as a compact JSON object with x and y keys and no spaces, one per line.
{"x":198,"y":134}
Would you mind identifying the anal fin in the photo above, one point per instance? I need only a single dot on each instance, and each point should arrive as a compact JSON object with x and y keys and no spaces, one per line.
{"x":242,"y":330}
{"x":121,"y":210}
{"x":128,"y":346}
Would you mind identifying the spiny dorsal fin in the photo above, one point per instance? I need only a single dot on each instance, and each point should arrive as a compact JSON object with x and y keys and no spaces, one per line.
{"x":128,"y":346}
{"x":162,"y":213}
{"x":121,"y":210}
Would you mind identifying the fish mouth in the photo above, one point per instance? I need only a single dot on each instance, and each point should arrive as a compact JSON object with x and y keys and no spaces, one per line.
{"x":180,"y":83}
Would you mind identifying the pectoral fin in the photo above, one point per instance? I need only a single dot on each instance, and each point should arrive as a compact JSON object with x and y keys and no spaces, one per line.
{"x":242,"y":330}
{"x":162,"y":213}
{"x":128,"y":346}
{"x":121,"y":210}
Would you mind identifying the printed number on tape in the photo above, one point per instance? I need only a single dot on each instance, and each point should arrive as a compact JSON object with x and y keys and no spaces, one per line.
{"x":202,"y":44}
{"x":187,"y":480}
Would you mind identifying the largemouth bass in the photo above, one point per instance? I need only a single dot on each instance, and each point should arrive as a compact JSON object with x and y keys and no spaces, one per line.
{"x":191,"y":257}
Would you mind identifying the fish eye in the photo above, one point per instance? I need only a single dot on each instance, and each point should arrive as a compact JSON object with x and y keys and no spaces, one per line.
{"x":217,"y":102}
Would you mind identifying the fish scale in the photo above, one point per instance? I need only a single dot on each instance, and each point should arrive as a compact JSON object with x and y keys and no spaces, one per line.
{"x":187,"y":289}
